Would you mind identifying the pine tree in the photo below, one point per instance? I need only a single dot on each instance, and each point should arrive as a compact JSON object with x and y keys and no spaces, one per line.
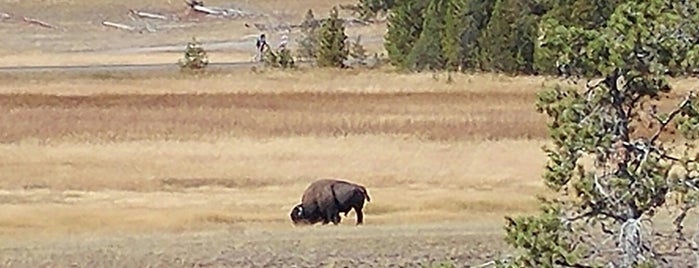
{"x":584,"y":14}
{"x":477,"y":14}
{"x":507,"y":44}
{"x":404,"y":28}
{"x":195,"y":57}
{"x":427,"y":52}
{"x":333,"y":50}
{"x":308,"y":41}
{"x":587,"y":14}
{"x":596,"y":211}
{"x":371,"y":8}
{"x":454,"y":27}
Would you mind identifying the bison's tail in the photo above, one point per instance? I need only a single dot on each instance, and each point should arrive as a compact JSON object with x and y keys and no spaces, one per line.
{"x":366,"y":194}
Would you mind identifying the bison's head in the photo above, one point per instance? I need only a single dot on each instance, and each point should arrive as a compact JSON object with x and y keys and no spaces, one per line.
{"x":297,"y":214}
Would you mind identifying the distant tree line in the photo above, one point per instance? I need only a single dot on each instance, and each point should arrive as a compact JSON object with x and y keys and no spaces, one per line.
{"x":486,"y":35}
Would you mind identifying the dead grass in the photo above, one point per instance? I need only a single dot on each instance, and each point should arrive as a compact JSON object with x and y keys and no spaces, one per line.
{"x":385,"y":80}
{"x":191,"y":185}
{"x":319,"y":103}
{"x":379,"y":161}
{"x":128,"y":156}
{"x":434,"y":116}
{"x":105,"y":58}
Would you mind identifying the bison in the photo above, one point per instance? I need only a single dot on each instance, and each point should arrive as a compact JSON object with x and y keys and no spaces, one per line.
{"x":324,"y":199}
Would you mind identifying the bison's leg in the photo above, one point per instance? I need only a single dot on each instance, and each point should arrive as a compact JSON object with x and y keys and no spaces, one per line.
{"x":360,"y":215}
{"x":333,"y":215}
{"x":336,"y":219}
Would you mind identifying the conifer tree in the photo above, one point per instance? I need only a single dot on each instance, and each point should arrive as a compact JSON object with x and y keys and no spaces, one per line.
{"x":427,"y":52}
{"x":371,"y":8}
{"x":308,"y":42}
{"x":195,"y":57}
{"x":588,"y":14}
{"x":597,"y":211}
{"x":585,"y":14}
{"x":404,"y":27}
{"x":477,"y":14}
{"x":454,"y":27}
{"x":333,"y":48}
{"x":507,"y":44}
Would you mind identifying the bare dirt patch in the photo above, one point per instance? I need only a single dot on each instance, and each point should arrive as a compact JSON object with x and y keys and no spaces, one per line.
{"x":367,"y":246}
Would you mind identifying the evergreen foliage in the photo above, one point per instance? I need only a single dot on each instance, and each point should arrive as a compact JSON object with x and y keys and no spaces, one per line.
{"x":476,"y":18}
{"x":454,"y":27}
{"x":427,"y":51}
{"x":308,"y":42}
{"x":494,"y":35}
{"x":630,"y":179}
{"x":372,"y":8}
{"x":195,"y":57}
{"x":403,"y":30}
{"x":333,"y":49}
{"x":585,"y":14}
{"x":280,"y":59}
{"x":508,"y":42}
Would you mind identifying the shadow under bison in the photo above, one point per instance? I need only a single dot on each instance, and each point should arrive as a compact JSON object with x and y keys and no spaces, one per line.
{"x":324,"y":199}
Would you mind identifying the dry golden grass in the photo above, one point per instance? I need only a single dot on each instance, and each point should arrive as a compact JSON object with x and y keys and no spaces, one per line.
{"x":150,"y":185}
{"x":239,"y":152}
{"x":259,"y":81}
{"x":140,"y":153}
{"x":434,"y":116}
{"x":264,"y":81}
{"x":103,"y":58}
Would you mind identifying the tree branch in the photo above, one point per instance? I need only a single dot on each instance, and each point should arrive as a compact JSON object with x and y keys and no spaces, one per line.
{"x":663,"y":123}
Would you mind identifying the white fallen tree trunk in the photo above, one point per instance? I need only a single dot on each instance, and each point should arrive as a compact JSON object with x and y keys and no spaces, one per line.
{"x":207,"y":10}
{"x":38,"y":22}
{"x":148,"y":15}
{"x":118,"y":26}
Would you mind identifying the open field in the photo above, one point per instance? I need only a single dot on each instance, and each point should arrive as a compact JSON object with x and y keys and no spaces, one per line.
{"x":160,"y":169}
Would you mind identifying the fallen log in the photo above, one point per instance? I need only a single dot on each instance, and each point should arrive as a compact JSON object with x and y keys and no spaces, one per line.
{"x":38,"y":22}
{"x":118,"y":26}
{"x":207,"y":10}
{"x":217,"y":11}
{"x":148,"y":15}
{"x":177,"y":26}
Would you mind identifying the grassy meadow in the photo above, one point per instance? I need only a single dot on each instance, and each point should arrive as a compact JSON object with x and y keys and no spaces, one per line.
{"x":123,"y":156}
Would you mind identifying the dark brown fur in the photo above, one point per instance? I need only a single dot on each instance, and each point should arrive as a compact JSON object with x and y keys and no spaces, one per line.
{"x":324,"y":200}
